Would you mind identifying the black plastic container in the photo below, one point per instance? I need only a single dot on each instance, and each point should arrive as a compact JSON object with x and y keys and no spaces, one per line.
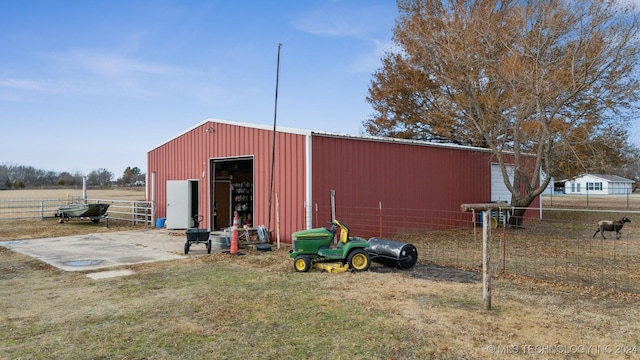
{"x":196,"y":234}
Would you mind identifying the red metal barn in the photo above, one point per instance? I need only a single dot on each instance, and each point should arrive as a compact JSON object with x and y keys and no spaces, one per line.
{"x":378,"y":186}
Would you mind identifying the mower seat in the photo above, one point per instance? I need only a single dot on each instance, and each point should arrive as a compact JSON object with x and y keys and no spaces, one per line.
{"x":344,"y":231}
{"x":344,"y":235}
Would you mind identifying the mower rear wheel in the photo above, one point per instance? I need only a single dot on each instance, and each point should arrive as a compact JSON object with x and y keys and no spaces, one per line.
{"x":302,"y":263}
{"x":359,"y":260}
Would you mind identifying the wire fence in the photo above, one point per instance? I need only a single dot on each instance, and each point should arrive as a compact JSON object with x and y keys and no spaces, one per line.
{"x":596,"y":200}
{"x":135,"y":212}
{"x":558,"y":246}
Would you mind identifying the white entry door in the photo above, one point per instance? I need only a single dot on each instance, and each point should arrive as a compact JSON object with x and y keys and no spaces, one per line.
{"x":178,"y":204}
{"x":499,"y":191}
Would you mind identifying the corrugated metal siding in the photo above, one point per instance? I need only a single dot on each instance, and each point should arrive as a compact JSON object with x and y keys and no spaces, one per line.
{"x":400,"y":176}
{"x":188,"y":157}
{"x":289,"y":185}
{"x":364,"y":173}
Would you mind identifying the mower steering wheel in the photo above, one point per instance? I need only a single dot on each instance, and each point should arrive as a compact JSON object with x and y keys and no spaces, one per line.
{"x":332,"y":227}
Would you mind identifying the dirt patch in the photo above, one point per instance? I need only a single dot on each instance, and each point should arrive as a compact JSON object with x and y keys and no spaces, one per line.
{"x":434,"y":272}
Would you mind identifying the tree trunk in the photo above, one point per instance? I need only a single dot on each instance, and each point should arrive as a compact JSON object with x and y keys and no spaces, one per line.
{"x":517,"y":217}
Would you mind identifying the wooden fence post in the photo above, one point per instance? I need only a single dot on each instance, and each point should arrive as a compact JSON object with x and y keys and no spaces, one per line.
{"x":486,"y":259}
{"x":486,"y":246}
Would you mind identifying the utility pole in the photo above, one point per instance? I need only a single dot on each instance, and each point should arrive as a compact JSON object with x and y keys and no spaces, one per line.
{"x":273,"y":141}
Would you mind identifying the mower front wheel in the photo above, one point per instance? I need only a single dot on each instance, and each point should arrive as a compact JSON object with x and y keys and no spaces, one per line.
{"x":359,"y":260}
{"x":302,"y":263}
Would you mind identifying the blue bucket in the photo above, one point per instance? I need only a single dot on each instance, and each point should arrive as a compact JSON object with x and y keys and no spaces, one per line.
{"x":160,"y":222}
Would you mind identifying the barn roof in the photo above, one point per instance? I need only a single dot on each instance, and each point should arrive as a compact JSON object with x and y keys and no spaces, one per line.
{"x":306,"y":132}
{"x":608,"y":178}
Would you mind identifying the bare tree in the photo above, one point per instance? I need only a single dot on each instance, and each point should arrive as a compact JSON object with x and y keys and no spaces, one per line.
{"x":66,"y":179}
{"x":5,"y":179}
{"x":100,"y":177}
{"x":546,"y":85}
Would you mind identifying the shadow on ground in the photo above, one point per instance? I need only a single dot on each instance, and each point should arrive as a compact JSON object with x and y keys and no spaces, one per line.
{"x":434,"y":272}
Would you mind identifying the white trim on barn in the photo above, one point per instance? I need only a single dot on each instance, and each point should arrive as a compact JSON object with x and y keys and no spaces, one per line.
{"x":309,"y":183}
{"x":597,"y":184}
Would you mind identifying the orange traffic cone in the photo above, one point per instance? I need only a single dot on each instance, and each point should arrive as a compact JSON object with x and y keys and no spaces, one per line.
{"x":234,"y":234}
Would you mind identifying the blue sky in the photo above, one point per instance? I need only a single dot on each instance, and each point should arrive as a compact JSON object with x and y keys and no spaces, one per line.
{"x":96,"y":84}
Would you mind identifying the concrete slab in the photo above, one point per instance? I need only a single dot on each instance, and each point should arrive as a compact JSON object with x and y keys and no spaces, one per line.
{"x":102,"y":250}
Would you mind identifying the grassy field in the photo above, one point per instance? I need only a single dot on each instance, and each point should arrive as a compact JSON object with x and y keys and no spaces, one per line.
{"x":44,"y":203}
{"x":255,"y":306}
{"x":116,"y":193}
{"x":629,"y":201}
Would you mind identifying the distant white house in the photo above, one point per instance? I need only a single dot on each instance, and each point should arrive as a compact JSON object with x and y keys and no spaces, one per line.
{"x":597,"y":184}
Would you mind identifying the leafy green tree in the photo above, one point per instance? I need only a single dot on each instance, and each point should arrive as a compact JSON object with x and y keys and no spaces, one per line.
{"x":552,"y":79}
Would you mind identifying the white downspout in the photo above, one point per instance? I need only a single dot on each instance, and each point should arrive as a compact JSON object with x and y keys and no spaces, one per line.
{"x":308,"y":185}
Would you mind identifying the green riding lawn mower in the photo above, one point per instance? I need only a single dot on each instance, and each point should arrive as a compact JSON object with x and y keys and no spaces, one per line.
{"x":314,"y":249}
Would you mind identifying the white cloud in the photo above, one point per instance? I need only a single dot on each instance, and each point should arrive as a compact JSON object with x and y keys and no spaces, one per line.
{"x":107,"y":64}
{"x":94,"y":72}
{"x":39,"y":85}
{"x":328,"y":23}
{"x":345,"y":20}
{"x":23,"y":84}
{"x":370,"y":61}
{"x":369,"y":24}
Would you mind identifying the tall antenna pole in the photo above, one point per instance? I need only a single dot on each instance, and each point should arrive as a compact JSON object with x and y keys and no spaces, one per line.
{"x":273,"y":141}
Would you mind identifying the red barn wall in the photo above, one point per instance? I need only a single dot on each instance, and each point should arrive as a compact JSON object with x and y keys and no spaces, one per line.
{"x":364,"y":173}
{"x":188,"y":157}
{"x":400,"y":176}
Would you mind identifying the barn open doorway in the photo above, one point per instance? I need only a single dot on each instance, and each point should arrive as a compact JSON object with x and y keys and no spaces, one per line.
{"x":231,"y":190}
